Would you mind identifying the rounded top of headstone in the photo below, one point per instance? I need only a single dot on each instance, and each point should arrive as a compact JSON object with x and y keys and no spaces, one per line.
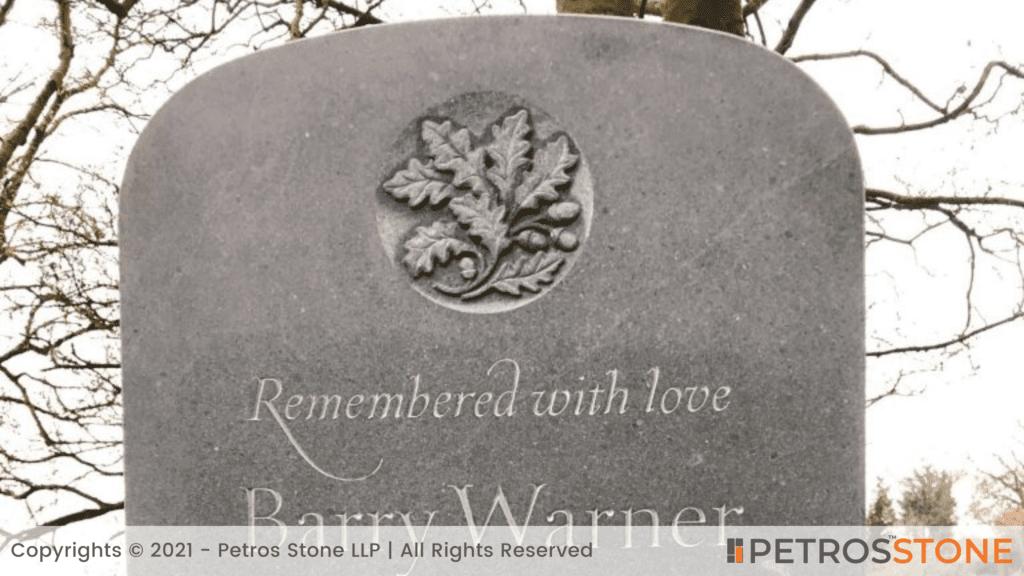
{"x":681,"y":215}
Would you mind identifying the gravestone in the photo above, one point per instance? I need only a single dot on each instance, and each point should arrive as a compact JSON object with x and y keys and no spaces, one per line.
{"x":584,"y":266}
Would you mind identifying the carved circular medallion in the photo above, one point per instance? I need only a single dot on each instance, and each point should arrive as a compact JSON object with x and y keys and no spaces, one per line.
{"x":487,"y":203}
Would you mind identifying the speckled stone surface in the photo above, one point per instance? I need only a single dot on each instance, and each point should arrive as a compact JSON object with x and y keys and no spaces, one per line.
{"x":711,"y":269}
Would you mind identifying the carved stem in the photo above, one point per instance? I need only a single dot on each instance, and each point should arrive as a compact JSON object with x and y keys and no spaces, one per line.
{"x":486,"y":270}
{"x":458,"y":290}
{"x":526,"y":225}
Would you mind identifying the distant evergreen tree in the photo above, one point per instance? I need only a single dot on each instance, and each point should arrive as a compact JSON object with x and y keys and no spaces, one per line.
{"x":928,"y":499}
{"x":882,"y":513}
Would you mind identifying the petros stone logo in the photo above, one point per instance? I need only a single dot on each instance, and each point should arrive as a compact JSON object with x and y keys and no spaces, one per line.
{"x":734,"y":551}
{"x":491,"y":208}
{"x":808,"y":551}
{"x":830,"y":551}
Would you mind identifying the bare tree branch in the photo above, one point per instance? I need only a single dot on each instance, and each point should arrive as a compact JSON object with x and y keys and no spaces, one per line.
{"x":893,"y":200}
{"x":760,"y":29}
{"x":893,"y":390}
{"x":751,"y":7}
{"x":786,"y":42}
{"x":58,"y":216}
{"x":878,"y":59}
{"x":120,"y":10}
{"x":4,"y":10}
{"x":19,"y":135}
{"x":363,"y":17}
{"x":945,"y":114}
{"x":958,"y":340}
{"x":85,"y":514}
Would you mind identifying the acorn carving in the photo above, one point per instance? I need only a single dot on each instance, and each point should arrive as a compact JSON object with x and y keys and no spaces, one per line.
{"x":564,"y":240}
{"x":467,"y":268}
{"x":563,"y":212}
{"x":533,"y":240}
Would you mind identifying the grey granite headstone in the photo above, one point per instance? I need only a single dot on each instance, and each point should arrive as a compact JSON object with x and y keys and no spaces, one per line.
{"x":592,"y":264}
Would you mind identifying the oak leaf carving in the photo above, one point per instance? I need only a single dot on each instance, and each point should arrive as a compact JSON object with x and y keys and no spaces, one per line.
{"x":444,"y":142}
{"x":481,"y":220}
{"x":508,"y":151}
{"x":550,"y":164}
{"x":433,"y":246}
{"x":418,"y":183}
{"x":500,"y":204}
{"x":526,"y":274}
{"x":452,"y":150}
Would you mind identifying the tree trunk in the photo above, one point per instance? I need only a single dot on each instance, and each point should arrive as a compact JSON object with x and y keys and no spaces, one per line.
{"x":722,"y":15}
{"x":607,"y":7}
